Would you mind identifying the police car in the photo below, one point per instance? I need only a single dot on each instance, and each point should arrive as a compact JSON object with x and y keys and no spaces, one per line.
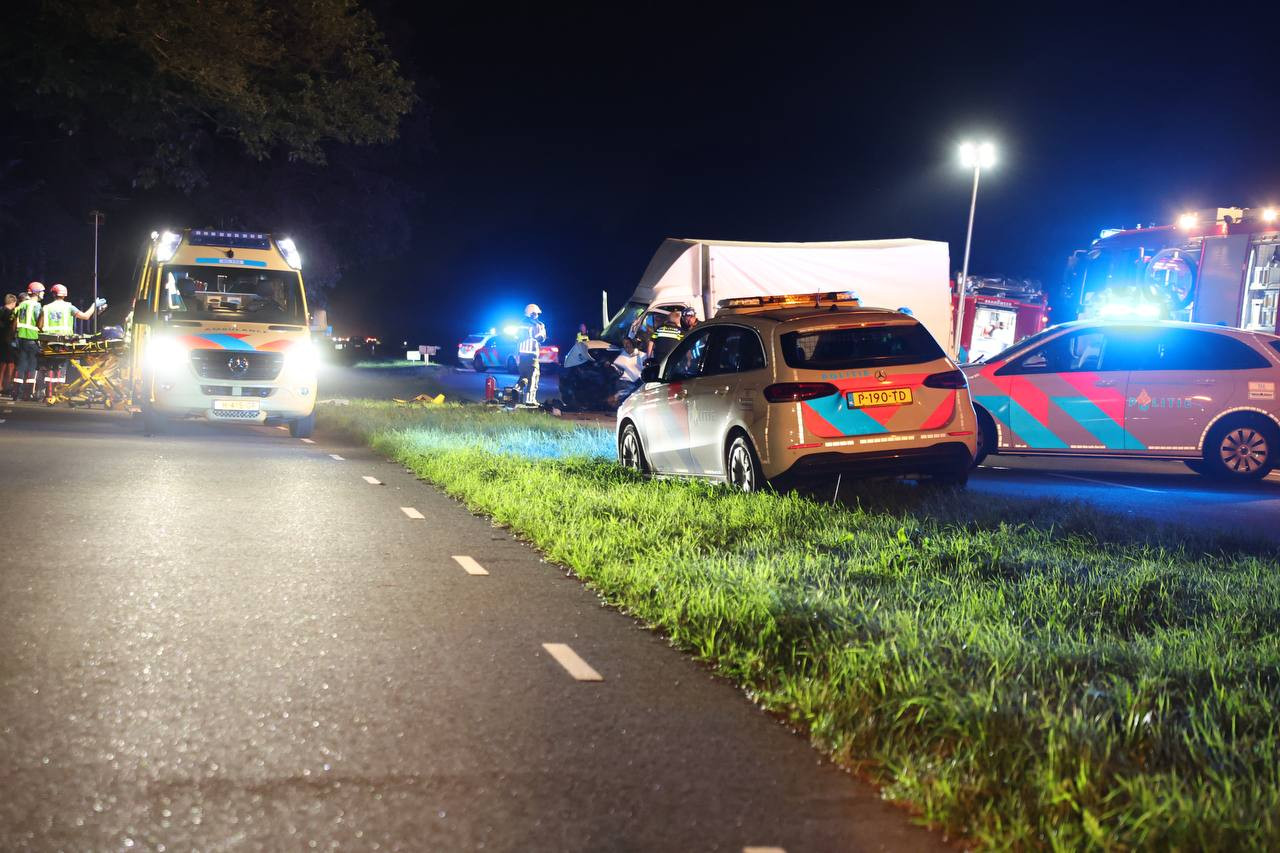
{"x":1205,"y":395}
{"x":489,"y":351}
{"x":791,"y":388}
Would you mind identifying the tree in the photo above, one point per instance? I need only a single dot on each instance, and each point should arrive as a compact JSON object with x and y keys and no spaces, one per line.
{"x":169,"y":77}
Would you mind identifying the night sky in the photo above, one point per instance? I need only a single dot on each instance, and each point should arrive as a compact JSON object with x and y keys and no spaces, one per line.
{"x":556,"y":147}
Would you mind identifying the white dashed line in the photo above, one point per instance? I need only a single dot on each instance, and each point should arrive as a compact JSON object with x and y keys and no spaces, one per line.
{"x":572,"y":664}
{"x":307,"y":441}
{"x":1103,"y":482}
{"x":336,"y":458}
{"x":285,"y":428}
{"x":372,"y":481}
{"x":411,"y":512}
{"x":764,"y":850}
{"x":470,"y":565}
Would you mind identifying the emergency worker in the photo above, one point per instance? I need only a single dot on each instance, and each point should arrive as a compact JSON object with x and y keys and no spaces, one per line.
{"x":8,"y":342}
{"x":27,"y":332}
{"x":665,"y":338}
{"x":59,"y":318}
{"x":688,"y":320}
{"x":582,"y":337}
{"x":530,"y":345}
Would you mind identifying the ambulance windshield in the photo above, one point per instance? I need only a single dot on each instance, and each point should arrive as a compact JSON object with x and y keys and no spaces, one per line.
{"x":237,"y":294}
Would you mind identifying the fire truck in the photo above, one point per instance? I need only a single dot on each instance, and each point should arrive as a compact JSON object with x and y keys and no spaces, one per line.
{"x":1219,"y":266}
{"x":998,"y":312}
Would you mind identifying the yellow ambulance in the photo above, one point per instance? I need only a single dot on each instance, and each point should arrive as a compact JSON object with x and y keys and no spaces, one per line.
{"x":219,"y":331}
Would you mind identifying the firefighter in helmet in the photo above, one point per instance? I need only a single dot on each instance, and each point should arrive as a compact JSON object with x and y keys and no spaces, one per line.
{"x":535,"y":333}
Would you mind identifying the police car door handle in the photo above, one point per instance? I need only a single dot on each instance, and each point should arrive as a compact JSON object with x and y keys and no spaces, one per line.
{"x":721,"y":391}
{"x":1206,"y":382}
{"x":1104,"y":383}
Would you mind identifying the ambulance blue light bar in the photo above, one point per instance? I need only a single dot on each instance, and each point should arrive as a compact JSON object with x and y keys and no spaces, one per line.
{"x":230,"y":239}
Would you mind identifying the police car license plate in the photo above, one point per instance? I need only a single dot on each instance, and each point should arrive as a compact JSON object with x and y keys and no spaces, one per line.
{"x":878,"y":397}
{"x":235,"y":405}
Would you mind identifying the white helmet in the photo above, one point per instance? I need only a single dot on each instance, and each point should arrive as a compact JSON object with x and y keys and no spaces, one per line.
{"x":531,"y":309}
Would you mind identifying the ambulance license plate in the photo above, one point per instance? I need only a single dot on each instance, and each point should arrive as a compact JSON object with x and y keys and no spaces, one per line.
{"x":235,"y":405}
{"x":878,"y":397}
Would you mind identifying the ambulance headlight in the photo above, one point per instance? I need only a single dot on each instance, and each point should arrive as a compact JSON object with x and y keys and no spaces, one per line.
{"x":167,"y":246}
{"x":290,"y":252}
{"x":165,"y":355}
{"x":302,"y":358}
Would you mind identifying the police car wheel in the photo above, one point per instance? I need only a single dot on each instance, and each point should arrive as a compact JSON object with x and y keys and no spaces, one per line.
{"x":1241,"y":449}
{"x":630,"y":452}
{"x":741,"y":468}
{"x":478,"y":362}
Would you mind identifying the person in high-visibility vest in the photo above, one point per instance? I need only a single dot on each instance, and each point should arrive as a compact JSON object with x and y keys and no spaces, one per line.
{"x":665,"y":338}
{"x":59,"y":318}
{"x":8,"y":342}
{"x":27,"y":317}
{"x":582,"y":337}
{"x":530,"y":346}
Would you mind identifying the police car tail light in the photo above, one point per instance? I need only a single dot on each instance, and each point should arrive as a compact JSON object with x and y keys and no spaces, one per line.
{"x":794,"y":392}
{"x":953,"y":379}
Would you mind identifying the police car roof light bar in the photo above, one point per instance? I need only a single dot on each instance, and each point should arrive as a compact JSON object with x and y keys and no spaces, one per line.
{"x":836,"y":297}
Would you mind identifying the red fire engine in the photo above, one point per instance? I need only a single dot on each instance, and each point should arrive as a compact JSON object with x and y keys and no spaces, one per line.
{"x":1220,"y":265}
{"x":999,"y":312}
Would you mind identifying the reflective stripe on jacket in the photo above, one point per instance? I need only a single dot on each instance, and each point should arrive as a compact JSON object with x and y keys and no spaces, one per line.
{"x":666,"y":330}
{"x":28,"y":312}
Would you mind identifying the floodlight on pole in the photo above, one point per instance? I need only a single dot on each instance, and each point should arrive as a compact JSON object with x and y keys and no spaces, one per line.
{"x":976,"y":156}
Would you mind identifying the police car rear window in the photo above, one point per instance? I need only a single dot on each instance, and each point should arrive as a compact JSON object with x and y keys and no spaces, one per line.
{"x":863,"y":346}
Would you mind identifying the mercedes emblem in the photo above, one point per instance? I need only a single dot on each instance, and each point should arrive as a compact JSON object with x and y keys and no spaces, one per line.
{"x":880,"y":377}
{"x":238,"y":365}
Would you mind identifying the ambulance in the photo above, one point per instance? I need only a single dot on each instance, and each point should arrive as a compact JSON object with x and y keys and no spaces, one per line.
{"x":219,"y":331}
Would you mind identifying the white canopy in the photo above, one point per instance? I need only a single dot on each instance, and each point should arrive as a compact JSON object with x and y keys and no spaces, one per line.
{"x":904,"y":273}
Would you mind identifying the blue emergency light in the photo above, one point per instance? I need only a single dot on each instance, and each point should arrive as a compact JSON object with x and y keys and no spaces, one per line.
{"x":230,"y":239}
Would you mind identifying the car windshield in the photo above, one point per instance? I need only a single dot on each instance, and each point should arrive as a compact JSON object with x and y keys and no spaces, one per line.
{"x":620,"y":325}
{"x":241,"y":294}
{"x":860,"y":346}
{"x":1022,"y":345}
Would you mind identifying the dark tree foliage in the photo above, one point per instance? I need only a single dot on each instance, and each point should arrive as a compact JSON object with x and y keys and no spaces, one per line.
{"x":230,"y":113}
{"x":278,"y":78}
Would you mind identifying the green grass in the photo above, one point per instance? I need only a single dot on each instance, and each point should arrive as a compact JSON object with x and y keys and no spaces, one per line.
{"x":394,"y":363}
{"x":1024,"y":673}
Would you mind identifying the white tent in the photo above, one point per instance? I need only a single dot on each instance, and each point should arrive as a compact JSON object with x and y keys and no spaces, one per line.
{"x":905,"y":273}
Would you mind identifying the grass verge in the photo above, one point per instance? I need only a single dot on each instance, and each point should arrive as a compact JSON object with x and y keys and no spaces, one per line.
{"x":1025,"y":673}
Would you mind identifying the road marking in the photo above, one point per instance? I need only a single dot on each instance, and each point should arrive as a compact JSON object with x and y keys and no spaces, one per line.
{"x":372,"y":481}
{"x":1104,"y":482}
{"x":764,"y":850}
{"x":410,"y":511}
{"x":307,"y":441}
{"x":336,"y":458}
{"x":285,"y":428}
{"x":471,"y":566}
{"x":572,"y":664}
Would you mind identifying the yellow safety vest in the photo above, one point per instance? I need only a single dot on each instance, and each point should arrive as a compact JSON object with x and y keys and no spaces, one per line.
{"x":59,"y":318}
{"x":28,"y":312}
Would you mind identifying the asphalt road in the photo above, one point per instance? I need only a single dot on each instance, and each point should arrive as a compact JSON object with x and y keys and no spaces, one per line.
{"x":1147,"y":491}
{"x":225,"y":638}
{"x":457,"y":384}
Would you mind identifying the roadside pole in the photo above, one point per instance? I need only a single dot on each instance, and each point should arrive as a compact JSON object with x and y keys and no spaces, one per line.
{"x":98,"y":218}
{"x":964,"y":270}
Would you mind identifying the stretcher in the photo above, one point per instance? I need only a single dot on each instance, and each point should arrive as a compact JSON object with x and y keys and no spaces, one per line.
{"x":95,"y":374}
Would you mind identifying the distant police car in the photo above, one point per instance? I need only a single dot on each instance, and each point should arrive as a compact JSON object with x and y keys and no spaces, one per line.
{"x":799,"y":387}
{"x":488,"y":350}
{"x":1160,"y":390}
